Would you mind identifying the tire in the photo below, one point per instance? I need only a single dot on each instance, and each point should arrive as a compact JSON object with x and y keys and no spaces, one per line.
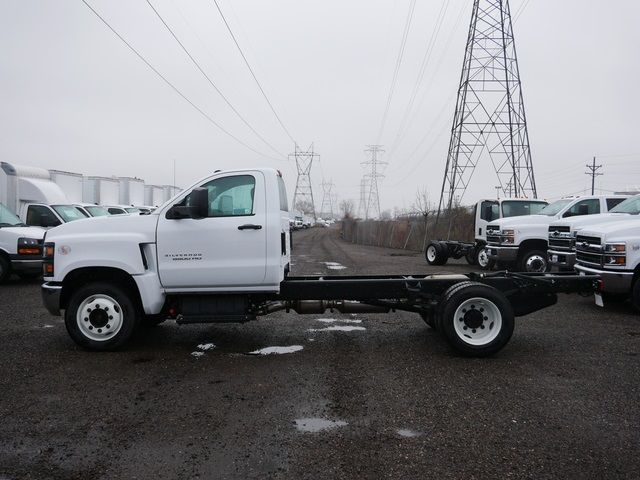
{"x":472,"y":256}
{"x":437,"y":253}
{"x":150,"y":321}
{"x":100,"y":316}
{"x":635,"y":294}
{"x":483,"y":260}
{"x":533,"y":261}
{"x":5,"y":269}
{"x":476,"y":320}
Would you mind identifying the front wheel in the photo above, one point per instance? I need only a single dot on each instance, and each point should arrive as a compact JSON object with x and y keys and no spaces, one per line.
{"x":477,"y":320}
{"x":101,"y":316}
{"x":484,"y":262}
{"x":437,"y":253}
{"x":533,"y":261}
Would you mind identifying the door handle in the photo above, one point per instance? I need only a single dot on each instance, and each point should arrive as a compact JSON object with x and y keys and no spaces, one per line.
{"x":249,"y":226}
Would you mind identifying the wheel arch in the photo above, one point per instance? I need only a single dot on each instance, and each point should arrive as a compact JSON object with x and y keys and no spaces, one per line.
{"x":84,"y":275}
{"x":533,"y":244}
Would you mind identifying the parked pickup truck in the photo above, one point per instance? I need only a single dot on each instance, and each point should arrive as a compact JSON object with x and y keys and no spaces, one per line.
{"x":562,"y":233}
{"x":522,"y":241}
{"x":220,"y":252}
{"x":20,"y":247}
{"x":612,"y":251}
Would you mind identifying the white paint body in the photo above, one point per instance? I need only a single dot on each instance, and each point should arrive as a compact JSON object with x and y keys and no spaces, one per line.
{"x":70,"y":183}
{"x":185,"y":255}
{"x":130,"y":191}
{"x":101,"y":190}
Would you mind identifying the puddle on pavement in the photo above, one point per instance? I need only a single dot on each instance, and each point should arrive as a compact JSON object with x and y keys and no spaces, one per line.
{"x":206,"y":346}
{"x":197,"y":354}
{"x":313,"y":425}
{"x":277,"y":350}
{"x":406,"y":433}
{"x":336,"y":328}
{"x":336,"y":267}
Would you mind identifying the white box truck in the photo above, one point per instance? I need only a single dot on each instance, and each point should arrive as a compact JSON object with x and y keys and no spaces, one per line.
{"x":70,"y":183}
{"x":153,"y":195}
{"x":101,"y":190}
{"x":131,"y":191}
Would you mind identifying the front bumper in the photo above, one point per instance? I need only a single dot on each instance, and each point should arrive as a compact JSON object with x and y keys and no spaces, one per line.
{"x":561,"y":258}
{"x":26,"y":263}
{"x":502,"y":253}
{"x":613,"y":282}
{"x":51,"y":297}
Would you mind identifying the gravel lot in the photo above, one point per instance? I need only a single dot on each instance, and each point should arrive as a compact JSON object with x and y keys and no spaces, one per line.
{"x":381,"y":396}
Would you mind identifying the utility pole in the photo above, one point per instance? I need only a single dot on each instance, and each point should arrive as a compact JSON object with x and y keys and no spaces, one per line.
{"x":304,"y":191}
{"x":498,"y":188}
{"x":593,"y":169}
{"x":489,"y":123}
{"x":327,"y":199}
{"x":374,"y":177}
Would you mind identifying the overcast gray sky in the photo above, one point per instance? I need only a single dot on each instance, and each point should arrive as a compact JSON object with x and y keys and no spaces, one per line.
{"x":75,"y":98}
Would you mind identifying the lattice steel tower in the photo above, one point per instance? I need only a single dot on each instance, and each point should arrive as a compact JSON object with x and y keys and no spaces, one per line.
{"x":327,"y":199}
{"x":373,"y":178}
{"x":304,"y":192}
{"x":489,"y":124}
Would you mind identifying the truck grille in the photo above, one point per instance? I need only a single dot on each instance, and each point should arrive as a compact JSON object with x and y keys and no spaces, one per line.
{"x":588,"y":250}
{"x":560,"y":238}
{"x":493,"y":234}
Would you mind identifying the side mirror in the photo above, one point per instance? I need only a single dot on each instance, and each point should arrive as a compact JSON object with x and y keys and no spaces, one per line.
{"x":198,"y":206}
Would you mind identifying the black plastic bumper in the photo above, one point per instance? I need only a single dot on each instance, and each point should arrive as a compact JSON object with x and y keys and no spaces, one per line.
{"x":26,"y":263}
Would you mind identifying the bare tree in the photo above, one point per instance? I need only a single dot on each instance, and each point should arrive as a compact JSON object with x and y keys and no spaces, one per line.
{"x":304,"y":207}
{"x":422,"y":205}
{"x":347,"y":208}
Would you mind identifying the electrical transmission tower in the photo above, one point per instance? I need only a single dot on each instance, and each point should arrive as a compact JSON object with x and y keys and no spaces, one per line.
{"x":303,"y":195}
{"x":373,"y":179}
{"x":593,"y":171}
{"x":489,"y":123}
{"x":327,"y":199}
{"x":362,"y":205}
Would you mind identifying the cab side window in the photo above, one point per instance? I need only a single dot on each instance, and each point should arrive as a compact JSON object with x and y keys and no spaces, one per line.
{"x":584,"y":207}
{"x":612,"y":202}
{"x":231,"y":196}
{"x":41,"y":216}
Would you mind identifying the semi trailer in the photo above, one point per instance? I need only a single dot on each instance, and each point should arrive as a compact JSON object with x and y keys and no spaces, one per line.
{"x":220,"y":252}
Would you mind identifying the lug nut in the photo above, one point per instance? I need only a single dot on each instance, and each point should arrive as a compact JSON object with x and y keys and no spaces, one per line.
{"x":106,"y":309}
{"x":99,"y":330}
{"x":86,"y":319}
{"x":472,"y":331}
{"x":482,"y":327}
{"x":464,"y":328}
{"x":90,"y":327}
{"x":110,"y":317}
{"x":461,"y":319}
{"x":486,"y":318}
{"x":109,"y":326}
{"x":88,"y":309}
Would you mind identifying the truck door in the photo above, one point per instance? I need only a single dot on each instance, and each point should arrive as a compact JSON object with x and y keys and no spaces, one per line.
{"x":225,"y":249}
{"x":486,"y":212}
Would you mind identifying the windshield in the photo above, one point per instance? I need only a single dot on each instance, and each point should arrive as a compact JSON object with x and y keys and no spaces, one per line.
{"x":97,"y":211}
{"x":69,"y":213}
{"x":556,"y":207}
{"x":8,"y":218}
{"x":630,"y":205}
{"x":517,"y":209}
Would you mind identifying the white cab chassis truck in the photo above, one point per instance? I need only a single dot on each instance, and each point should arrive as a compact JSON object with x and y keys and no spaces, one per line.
{"x":612,"y":251}
{"x":562,"y":233}
{"x":20,"y":247}
{"x":485,"y":211}
{"x":521,"y":242}
{"x":220,"y":252}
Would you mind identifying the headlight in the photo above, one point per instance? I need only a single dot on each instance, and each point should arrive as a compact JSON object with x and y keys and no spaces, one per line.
{"x":615,"y":248}
{"x":29,"y":246}
{"x":48,"y":256}
{"x":507,"y":236}
{"x":620,"y":260}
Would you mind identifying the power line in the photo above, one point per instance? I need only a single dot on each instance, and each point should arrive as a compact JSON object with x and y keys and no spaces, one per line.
{"x":204,"y":74}
{"x":394,"y":81}
{"x":171,"y":85}
{"x":252,"y":73}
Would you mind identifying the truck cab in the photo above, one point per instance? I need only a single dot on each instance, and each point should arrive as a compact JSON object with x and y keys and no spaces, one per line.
{"x":523,"y":241}
{"x":48,"y":216}
{"x":20,"y":247}
{"x":562,"y":233}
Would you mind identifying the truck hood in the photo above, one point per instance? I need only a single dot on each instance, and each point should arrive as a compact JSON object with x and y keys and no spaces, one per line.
{"x":142,"y":226}
{"x":615,"y":231}
{"x":585,"y":221}
{"x":518,"y":222}
{"x":26,"y":232}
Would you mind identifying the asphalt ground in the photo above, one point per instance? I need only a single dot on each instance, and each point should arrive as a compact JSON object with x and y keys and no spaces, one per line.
{"x":388,"y":399}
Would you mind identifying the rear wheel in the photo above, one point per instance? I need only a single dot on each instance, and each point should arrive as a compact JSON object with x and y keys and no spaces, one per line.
{"x":533,"y":261}
{"x":5,"y":269}
{"x":437,"y":253}
{"x":484,"y":262}
{"x":476,"y":319}
{"x":101,"y":316}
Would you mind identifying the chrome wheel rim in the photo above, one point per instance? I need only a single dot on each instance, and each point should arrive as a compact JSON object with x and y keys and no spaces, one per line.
{"x":483,"y":258}
{"x":536,"y":264}
{"x":431,"y":253}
